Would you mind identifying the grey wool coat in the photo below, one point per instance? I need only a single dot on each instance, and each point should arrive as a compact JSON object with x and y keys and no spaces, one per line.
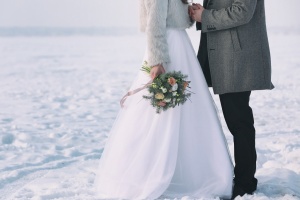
{"x":235,"y":42}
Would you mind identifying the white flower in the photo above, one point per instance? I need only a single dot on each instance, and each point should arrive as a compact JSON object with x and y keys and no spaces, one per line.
{"x":174,"y":93}
{"x":164,"y":90}
{"x":167,"y":100}
{"x":175,"y":87}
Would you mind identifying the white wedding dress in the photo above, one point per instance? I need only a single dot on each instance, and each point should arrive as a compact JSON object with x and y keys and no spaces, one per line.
{"x":180,"y":152}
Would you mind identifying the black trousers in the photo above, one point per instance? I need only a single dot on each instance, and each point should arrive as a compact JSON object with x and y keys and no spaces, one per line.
{"x":239,"y":118}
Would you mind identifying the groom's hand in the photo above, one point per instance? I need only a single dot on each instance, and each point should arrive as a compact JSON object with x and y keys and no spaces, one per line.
{"x":197,"y":12}
{"x":156,"y":71}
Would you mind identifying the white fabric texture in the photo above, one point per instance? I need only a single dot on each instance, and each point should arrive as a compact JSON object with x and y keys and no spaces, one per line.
{"x":180,"y":152}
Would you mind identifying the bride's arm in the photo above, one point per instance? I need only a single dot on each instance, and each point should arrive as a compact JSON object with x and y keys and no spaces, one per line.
{"x":158,"y":53}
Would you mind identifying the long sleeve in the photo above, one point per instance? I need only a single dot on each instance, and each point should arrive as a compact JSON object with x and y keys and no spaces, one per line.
{"x":239,"y":13}
{"x":157,"y":11}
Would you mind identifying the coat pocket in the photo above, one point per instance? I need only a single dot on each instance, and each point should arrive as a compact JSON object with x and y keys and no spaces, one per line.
{"x":235,"y":40}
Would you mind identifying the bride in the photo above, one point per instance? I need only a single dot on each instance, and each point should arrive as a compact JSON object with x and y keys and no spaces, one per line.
{"x":179,"y":152}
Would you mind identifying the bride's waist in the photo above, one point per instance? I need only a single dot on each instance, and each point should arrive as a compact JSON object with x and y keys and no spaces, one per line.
{"x":169,"y":30}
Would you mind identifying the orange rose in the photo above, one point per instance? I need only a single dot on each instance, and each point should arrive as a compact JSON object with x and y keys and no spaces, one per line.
{"x":161,"y":103}
{"x":172,"y":81}
{"x":185,"y":84}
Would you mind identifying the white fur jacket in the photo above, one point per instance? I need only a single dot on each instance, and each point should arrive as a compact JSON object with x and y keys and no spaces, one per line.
{"x":155,"y":17}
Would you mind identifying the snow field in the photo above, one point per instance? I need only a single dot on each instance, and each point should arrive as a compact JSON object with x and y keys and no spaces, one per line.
{"x":60,"y":95}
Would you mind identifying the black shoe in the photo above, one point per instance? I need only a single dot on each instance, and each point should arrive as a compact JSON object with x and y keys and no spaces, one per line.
{"x":238,"y":191}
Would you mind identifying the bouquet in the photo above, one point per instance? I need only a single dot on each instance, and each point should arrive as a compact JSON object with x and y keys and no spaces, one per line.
{"x":167,"y":90}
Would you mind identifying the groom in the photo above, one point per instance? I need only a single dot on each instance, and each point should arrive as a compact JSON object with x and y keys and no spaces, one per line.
{"x":235,"y":58}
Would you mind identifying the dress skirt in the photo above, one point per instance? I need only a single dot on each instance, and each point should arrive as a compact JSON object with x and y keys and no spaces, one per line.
{"x":179,"y":152}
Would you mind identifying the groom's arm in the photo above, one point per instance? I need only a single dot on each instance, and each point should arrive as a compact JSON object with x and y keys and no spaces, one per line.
{"x":239,"y":13}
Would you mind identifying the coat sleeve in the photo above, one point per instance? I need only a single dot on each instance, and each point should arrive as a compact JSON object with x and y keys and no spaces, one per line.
{"x":157,"y":46}
{"x":239,"y":13}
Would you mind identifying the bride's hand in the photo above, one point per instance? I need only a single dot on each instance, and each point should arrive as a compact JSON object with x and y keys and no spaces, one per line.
{"x":156,"y":71}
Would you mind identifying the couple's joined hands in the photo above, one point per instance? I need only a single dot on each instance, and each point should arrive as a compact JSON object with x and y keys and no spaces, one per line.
{"x":195,"y":11}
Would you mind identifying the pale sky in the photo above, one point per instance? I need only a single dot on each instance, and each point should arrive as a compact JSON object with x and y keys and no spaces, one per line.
{"x":85,"y":13}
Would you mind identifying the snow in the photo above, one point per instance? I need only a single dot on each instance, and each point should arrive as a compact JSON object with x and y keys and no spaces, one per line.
{"x":60,"y":95}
